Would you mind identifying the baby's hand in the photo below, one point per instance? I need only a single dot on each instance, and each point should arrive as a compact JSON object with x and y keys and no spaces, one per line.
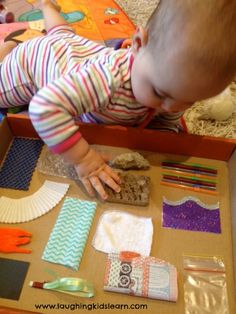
{"x":92,"y":171}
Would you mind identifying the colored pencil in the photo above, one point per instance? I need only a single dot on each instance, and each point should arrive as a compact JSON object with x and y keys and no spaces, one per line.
{"x":190,"y":168}
{"x":192,"y":180}
{"x":191,"y":175}
{"x":192,"y":171}
{"x":190,"y":164}
{"x":187,"y":166}
{"x":194,"y":189}
{"x":201,"y":186}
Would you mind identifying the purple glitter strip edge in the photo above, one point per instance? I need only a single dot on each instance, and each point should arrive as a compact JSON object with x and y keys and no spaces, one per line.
{"x":191,"y":216}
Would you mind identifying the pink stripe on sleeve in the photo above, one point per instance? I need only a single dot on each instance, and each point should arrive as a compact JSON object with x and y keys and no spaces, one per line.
{"x":68,"y":143}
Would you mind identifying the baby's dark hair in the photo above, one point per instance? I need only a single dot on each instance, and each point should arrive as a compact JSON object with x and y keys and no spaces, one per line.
{"x":205,"y":27}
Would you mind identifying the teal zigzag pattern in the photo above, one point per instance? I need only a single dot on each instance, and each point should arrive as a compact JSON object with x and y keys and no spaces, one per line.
{"x":69,"y":235}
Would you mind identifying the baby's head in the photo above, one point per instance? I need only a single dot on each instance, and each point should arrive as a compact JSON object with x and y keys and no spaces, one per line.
{"x":186,"y":53}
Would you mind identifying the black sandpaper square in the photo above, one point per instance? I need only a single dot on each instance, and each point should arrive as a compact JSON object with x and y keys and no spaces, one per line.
{"x":12,"y":277}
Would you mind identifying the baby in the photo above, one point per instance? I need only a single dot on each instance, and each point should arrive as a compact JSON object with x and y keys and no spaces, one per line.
{"x":186,"y":53}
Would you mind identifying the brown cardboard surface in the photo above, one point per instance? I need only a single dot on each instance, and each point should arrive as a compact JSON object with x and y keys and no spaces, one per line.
{"x":5,"y":138}
{"x":168,"y":244}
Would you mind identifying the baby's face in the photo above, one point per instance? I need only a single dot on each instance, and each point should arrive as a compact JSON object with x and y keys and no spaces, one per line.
{"x":170,"y":83}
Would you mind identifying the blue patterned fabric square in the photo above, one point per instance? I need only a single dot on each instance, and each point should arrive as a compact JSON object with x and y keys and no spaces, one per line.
{"x":17,"y":169}
{"x":67,"y":241}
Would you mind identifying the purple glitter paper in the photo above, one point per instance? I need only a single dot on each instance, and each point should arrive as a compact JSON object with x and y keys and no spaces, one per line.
{"x":190,"y":213}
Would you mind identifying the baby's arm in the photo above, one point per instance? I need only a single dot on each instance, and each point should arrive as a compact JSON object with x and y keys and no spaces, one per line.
{"x":52,"y":111}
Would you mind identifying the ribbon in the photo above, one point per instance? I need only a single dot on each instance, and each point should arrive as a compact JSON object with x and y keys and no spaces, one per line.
{"x":68,"y":285}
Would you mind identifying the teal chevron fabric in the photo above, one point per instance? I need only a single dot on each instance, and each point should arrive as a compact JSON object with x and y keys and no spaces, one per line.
{"x":69,"y":235}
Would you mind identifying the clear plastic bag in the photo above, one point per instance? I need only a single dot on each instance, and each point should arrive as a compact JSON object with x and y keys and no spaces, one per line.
{"x":54,"y":165}
{"x":205,"y":288}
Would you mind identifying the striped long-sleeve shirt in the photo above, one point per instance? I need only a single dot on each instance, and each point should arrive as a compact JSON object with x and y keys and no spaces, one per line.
{"x":64,"y":76}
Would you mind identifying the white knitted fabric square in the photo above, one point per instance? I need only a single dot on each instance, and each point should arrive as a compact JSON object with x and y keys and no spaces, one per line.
{"x":119,"y":231}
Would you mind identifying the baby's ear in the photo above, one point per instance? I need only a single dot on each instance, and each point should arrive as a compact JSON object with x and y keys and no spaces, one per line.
{"x":140,"y":39}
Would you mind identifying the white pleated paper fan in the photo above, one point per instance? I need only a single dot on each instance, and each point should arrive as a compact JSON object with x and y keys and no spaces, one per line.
{"x":33,"y":206}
